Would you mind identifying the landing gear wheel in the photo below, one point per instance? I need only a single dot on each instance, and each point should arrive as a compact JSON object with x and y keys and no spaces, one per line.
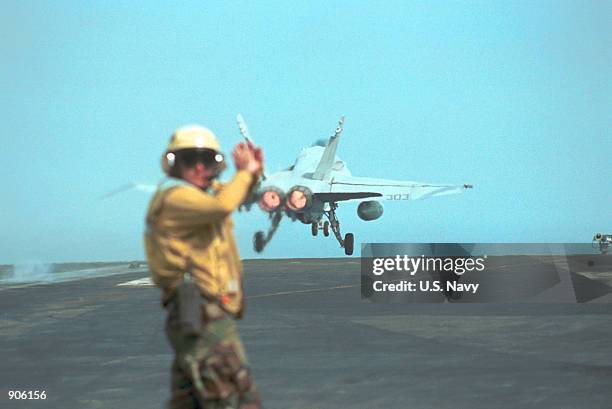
{"x":259,"y":241}
{"x":326,"y":228}
{"x":334,"y":225}
{"x":314,"y":227}
{"x":349,"y":241}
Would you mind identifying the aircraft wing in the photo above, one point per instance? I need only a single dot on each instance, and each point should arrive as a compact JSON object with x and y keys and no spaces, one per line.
{"x":350,"y":188}
{"x":338,"y":197}
{"x":143,"y":187}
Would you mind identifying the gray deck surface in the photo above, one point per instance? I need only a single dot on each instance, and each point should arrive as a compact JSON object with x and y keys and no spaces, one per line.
{"x":312,"y":343}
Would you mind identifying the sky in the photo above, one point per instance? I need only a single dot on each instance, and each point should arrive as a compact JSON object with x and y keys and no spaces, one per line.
{"x":511,"y":96}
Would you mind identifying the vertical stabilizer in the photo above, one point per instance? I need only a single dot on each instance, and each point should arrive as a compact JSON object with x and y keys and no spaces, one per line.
{"x":329,"y":154}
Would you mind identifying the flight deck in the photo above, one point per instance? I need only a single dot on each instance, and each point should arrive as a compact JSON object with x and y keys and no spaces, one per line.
{"x":313,"y":344}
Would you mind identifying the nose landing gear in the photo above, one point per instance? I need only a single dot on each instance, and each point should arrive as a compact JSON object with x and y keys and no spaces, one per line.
{"x":316,"y":226}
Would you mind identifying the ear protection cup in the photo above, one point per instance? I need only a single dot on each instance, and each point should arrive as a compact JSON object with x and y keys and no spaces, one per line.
{"x":168,"y":160}
{"x":171,"y":158}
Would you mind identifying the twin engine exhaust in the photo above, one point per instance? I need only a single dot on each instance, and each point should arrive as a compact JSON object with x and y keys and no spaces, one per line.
{"x":298,"y":199}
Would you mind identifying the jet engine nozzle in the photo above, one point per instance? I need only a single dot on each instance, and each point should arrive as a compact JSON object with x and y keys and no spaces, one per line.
{"x":299,"y":198}
{"x":270,"y":199}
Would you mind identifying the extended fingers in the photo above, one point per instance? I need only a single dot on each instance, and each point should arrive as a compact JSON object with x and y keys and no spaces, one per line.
{"x":258,"y":153}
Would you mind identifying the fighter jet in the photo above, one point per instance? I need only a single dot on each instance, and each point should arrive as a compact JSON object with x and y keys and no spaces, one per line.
{"x":602,"y":242}
{"x":311,"y":189}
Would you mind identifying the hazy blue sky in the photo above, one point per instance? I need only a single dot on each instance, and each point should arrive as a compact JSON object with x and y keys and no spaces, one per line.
{"x":514,"y":97}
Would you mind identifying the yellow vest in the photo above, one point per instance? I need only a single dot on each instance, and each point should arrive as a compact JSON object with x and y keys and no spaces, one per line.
{"x":190,"y":231}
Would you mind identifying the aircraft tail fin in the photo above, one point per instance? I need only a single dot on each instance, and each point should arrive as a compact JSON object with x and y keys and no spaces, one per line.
{"x":244,"y":131}
{"x":329,"y":154}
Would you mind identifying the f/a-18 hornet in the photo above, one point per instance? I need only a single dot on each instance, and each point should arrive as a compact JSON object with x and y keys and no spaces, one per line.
{"x":311,"y":188}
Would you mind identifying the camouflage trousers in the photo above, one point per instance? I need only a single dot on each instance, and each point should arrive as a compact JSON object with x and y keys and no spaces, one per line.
{"x":210,"y":371}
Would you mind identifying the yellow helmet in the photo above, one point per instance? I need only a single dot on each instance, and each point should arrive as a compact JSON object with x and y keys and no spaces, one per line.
{"x":188,"y":137}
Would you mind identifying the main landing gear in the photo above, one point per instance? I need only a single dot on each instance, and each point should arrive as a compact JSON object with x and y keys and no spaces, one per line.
{"x":260,"y":239}
{"x":349,"y":240}
{"x":316,"y":226}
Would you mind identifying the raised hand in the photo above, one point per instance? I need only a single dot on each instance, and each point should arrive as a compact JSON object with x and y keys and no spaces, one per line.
{"x":248,"y":157}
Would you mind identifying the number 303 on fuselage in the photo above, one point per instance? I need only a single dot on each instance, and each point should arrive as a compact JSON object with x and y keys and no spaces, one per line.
{"x":311,"y":188}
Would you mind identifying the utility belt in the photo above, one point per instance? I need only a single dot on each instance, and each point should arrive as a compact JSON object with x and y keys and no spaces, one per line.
{"x":194,"y":309}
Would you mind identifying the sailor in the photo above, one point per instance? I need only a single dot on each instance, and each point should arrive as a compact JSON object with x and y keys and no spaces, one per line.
{"x":193,"y":258}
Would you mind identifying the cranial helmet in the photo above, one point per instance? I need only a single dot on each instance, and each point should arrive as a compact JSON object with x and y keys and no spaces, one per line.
{"x":191,"y":138}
